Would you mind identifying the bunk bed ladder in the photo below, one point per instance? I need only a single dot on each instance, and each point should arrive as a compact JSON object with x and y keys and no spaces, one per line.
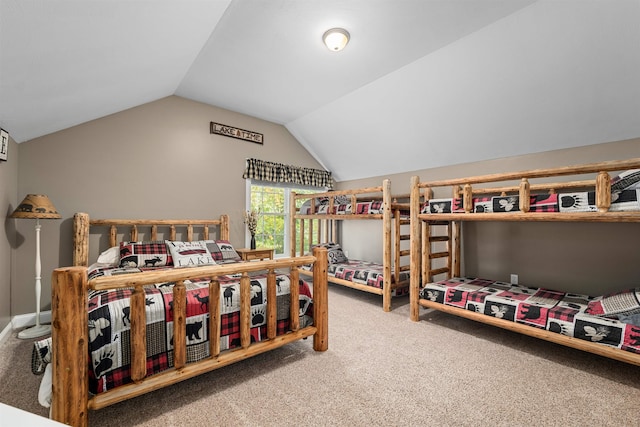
{"x":444,"y":244}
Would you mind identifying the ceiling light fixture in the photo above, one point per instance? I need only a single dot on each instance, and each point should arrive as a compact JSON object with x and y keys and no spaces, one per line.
{"x":336,"y":38}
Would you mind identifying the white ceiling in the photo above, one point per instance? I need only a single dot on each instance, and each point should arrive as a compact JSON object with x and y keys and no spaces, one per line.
{"x":423,"y":83}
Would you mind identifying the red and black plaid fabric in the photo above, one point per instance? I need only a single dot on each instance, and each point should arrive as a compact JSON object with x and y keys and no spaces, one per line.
{"x":558,"y":312}
{"x":544,"y":203}
{"x":109,"y":324}
{"x":144,"y":254}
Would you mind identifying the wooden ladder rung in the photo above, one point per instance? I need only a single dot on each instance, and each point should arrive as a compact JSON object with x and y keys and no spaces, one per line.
{"x":405,"y":252}
{"x":405,"y":236}
{"x":438,"y":238}
{"x":439,"y":223}
{"x":438,"y":255}
{"x":405,"y":268}
{"x":438,"y":271}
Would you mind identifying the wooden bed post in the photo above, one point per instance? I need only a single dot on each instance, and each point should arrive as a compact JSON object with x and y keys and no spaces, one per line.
{"x":69,"y":308}
{"x":386,"y":245}
{"x":292,"y":224}
{"x":320,"y":300}
{"x":415,"y":270}
{"x":224,"y":227}
{"x":603,"y":191}
{"x":81,"y":234}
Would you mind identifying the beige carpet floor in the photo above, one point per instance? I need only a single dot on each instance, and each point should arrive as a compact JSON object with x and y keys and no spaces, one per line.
{"x":381,"y":369}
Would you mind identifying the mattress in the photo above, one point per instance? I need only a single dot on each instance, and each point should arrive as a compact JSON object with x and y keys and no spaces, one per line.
{"x":365,"y":273}
{"x":109,"y":323}
{"x":584,"y":201}
{"x":558,"y":312}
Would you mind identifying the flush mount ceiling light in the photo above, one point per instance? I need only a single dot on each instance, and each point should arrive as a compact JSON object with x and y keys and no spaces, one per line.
{"x":336,"y":38}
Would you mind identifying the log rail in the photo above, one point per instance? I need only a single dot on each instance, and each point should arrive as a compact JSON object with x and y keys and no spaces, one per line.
{"x":466,"y":188}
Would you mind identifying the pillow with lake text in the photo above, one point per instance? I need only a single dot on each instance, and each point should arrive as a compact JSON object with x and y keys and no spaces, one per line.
{"x":190,"y":254}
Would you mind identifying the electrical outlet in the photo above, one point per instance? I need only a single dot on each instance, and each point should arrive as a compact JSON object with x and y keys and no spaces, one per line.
{"x":346,"y":253}
{"x":514,"y":279}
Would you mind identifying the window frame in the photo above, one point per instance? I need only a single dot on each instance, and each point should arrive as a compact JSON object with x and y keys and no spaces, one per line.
{"x":288,"y":188}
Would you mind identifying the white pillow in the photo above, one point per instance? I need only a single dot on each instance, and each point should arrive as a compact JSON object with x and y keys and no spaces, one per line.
{"x":189,"y":254}
{"x":111,"y":256}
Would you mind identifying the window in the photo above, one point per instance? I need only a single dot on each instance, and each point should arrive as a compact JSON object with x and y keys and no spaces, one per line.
{"x":272,"y":201}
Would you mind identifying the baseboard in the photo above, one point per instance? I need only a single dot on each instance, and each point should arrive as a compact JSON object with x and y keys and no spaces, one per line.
{"x":5,"y":333}
{"x":23,"y":320}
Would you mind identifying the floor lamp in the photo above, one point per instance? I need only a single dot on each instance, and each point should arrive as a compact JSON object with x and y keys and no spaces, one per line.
{"x":36,"y":206}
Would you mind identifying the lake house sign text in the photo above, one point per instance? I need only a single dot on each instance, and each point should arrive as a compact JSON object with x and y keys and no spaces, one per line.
{"x":233,"y":132}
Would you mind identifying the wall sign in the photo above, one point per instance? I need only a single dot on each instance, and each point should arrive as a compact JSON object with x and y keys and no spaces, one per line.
{"x":4,"y":144}
{"x":238,"y":133}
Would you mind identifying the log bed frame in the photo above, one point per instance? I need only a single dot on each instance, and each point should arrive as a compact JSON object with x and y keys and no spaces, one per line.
{"x":71,"y":399}
{"x":425,"y":245}
{"x":395,"y":256}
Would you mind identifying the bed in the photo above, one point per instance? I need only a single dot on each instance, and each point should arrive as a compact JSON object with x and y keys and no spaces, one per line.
{"x":314,"y":222}
{"x":144,"y":322}
{"x":608,"y":325}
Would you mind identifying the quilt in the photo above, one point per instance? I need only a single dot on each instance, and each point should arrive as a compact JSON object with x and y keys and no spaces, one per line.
{"x":344,"y":208}
{"x":109,"y":323}
{"x":365,"y":273}
{"x":558,"y":312}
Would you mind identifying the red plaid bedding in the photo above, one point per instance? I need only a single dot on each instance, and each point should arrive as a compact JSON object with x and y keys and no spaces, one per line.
{"x":559,"y":312}
{"x":362,"y":208}
{"x":109,"y":324}
{"x":365,"y":273}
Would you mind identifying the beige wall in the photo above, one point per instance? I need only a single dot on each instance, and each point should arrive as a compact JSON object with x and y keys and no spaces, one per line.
{"x":576,"y":257}
{"x":8,"y":238}
{"x":157,"y":160}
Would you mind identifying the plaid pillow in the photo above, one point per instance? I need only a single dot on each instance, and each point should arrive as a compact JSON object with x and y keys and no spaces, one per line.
{"x":222,"y":251}
{"x":144,"y":254}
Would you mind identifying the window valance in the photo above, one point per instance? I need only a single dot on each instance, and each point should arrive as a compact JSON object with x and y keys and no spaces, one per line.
{"x":278,"y":172}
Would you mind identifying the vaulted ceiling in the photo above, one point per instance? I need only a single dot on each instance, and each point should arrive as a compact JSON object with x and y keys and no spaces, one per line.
{"x":422,"y":83}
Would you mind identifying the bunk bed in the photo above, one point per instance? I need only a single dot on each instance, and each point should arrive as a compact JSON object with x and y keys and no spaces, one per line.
{"x":159,"y":348}
{"x":317,"y":216}
{"x":607,"y":325}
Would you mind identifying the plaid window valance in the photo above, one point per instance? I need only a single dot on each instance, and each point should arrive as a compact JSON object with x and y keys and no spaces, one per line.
{"x":277,"y":172}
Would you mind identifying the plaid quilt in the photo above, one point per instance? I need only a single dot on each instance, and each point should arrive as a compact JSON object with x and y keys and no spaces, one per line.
{"x":362,"y":208}
{"x":109,"y":324}
{"x":365,"y":273}
{"x":559,"y":312}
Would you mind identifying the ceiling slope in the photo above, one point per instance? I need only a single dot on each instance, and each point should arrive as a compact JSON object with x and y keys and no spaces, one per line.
{"x":421,"y":84}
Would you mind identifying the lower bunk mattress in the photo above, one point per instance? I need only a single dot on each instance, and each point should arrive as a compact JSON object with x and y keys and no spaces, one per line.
{"x":109,"y":324}
{"x":365,"y":273}
{"x":563,"y":313}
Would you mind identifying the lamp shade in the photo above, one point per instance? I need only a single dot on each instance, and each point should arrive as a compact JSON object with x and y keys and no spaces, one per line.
{"x":37,"y":206}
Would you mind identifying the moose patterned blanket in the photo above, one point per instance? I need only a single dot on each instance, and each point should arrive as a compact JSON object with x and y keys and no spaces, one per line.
{"x":563,"y":313}
{"x":365,"y":273}
{"x":109,"y":324}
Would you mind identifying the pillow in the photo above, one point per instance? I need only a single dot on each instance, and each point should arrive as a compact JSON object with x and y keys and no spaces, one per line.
{"x":110,"y":257}
{"x":335,"y":254}
{"x":633,"y":319}
{"x":222,"y":251}
{"x":627,"y":180}
{"x":342,"y":199}
{"x":190,"y":254}
{"x":627,"y":302}
{"x":144,"y":254}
